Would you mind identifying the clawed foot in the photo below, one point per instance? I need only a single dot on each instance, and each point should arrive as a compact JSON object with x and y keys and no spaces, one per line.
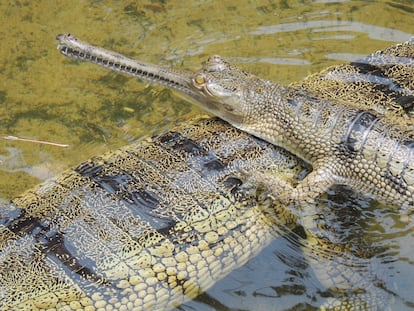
{"x":276,"y":188}
{"x":302,"y":205}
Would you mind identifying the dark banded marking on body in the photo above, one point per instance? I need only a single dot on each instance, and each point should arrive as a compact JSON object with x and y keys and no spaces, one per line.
{"x":51,"y":242}
{"x":127,"y":183}
{"x":143,"y":201}
{"x":317,"y":118}
{"x":297,"y":104}
{"x":382,"y":83}
{"x":203,"y":163}
{"x":187,"y":148}
{"x":21,"y":224}
{"x":125,"y":187}
{"x":358,"y":130}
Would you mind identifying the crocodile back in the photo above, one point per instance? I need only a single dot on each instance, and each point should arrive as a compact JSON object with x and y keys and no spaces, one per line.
{"x":149,"y":226}
{"x":382,"y":82}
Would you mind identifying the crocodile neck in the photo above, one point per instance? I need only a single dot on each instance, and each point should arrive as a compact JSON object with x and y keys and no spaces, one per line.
{"x":301,"y":123}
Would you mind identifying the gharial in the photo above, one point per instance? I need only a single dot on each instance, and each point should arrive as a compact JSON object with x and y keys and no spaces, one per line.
{"x":154,"y":224}
{"x":344,"y":144}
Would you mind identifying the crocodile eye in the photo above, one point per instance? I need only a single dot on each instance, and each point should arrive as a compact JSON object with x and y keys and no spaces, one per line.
{"x":200,"y":80}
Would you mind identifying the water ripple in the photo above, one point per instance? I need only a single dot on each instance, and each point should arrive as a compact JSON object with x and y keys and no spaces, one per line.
{"x":374,"y":32}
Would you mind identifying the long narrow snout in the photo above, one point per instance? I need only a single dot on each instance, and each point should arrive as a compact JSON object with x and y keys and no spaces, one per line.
{"x":74,"y":48}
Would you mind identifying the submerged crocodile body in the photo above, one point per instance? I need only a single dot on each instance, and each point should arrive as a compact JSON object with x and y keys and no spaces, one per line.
{"x":345,"y":144}
{"x":146,"y":227}
{"x":154,"y":224}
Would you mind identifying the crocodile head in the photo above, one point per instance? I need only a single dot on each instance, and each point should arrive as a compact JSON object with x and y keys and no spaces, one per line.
{"x":242,"y":99}
{"x":219,"y":87}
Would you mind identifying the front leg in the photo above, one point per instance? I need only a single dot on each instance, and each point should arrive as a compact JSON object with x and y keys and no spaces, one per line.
{"x":302,"y":197}
{"x":305,"y":192}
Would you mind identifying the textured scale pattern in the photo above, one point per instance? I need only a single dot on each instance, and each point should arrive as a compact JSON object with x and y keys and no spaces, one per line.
{"x":148,"y":226}
{"x":380,"y":91}
{"x":156,"y":223}
{"x":382,"y":82}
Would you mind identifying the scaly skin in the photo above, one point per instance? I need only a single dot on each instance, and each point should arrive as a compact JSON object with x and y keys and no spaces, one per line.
{"x":345,"y":145}
{"x":146,"y":227}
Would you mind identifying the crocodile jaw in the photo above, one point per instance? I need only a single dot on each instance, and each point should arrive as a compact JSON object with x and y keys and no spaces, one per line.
{"x":202,"y":88}
{"x":185,"y":82}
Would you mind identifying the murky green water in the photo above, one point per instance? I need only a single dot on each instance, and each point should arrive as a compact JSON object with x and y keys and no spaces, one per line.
{"x":46,"y":97}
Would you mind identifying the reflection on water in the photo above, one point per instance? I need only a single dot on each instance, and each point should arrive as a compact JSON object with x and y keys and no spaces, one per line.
{"x":271,"y":60}
{"x":46,"y":97}
{"x":372,"y":31}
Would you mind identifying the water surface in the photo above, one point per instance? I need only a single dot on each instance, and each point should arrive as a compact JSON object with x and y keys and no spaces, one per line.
{"x":44,"y":96}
